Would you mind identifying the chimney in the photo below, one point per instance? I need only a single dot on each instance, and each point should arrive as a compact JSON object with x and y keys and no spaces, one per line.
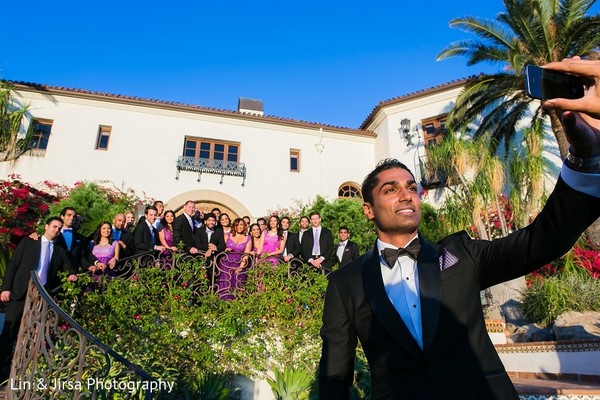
{"x":250,"y":106}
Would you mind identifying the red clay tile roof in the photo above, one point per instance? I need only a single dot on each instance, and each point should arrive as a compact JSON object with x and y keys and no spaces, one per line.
{"x":413,"y":95}
{"x":173,"y":105}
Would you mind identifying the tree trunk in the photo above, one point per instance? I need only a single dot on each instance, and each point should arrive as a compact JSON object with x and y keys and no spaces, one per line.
{"x":559,"y":133}
{"x":593,"y":234}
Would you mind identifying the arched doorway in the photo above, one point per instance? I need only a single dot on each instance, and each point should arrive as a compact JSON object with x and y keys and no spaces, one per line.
{"x":206,"y":200}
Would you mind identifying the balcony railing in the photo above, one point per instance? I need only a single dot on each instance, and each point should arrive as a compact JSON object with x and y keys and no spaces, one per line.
{"x":211,"y":166}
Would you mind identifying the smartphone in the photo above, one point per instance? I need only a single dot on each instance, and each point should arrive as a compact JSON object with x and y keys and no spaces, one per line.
{"x":543,"y":84}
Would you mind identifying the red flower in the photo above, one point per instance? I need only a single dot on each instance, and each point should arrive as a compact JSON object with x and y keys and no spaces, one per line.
{"x":137,"y":317}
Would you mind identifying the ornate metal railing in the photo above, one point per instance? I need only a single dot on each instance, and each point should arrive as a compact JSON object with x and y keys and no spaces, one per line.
{"x":211,"y":166}
{"x":55,"y":358}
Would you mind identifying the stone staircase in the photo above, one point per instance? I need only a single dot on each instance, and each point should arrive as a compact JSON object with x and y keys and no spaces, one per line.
{"x":548,"y":389}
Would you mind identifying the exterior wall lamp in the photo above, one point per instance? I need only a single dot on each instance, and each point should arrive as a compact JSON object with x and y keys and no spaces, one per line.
{"x":406,"y":133}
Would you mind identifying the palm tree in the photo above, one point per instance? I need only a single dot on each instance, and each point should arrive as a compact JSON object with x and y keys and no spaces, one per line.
{"x":12,"y":144}
{"x":527,"y":32}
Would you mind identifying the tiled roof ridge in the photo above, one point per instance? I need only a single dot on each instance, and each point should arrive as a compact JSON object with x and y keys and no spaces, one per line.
{"x":43,"y":87}
{"x":421,"y":92}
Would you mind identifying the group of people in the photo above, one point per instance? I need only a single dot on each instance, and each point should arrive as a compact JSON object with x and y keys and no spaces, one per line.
{"x":414,"y":305}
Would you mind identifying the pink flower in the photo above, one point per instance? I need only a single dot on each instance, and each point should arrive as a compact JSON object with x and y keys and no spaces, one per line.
{"x":137,"y":317}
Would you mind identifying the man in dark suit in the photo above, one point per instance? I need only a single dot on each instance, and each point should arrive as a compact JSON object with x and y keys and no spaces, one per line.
{"x":39,"y":254}
{"x":347,"y":250}
{"x":75,"y":244}
{"x":123,"y":237}
{"x":318,"y":253}
{"x":292,"y":244}
{"x":415,"y":306}
{"x":209,"y":238}
{"x":145,"y":235}
{"x":184,"y":228}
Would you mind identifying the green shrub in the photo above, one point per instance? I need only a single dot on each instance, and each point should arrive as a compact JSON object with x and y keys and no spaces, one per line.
{"x":171,"y":325}
{"x":95,"y":203}
{"x":547,"y":298}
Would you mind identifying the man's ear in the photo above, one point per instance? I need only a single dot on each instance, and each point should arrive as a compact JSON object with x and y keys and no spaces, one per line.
{"x":368,"y":211}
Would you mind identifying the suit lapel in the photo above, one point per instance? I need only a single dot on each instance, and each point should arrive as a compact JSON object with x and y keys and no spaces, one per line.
{"x":60,"y":240}
{"x":429,"y":287}
{"x":381,"y":306}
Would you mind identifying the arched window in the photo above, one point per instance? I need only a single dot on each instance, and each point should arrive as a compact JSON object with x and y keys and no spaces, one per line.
{"x":349,"y":189}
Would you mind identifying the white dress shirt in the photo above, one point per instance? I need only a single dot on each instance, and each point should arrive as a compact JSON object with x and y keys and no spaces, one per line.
{"x":401,"y":283}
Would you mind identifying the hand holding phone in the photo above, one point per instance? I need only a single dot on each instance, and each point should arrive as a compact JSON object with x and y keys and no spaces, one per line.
{"x":544,"y":84}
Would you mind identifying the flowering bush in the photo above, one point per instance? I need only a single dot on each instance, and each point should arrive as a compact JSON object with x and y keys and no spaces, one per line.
{"x":22,"y":208}
{"x":170,"y":324}
{"x":580,"y":260}
{"x":96,"y":203}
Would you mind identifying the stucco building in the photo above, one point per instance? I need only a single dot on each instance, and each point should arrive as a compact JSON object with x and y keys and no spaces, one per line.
{"x":242,"y":161}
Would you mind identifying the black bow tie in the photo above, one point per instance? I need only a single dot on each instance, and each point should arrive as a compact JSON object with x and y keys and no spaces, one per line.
{"x":391,"y":255}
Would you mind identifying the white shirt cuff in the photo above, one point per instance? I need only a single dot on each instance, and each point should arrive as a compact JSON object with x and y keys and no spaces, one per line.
{"x":581,"y":181}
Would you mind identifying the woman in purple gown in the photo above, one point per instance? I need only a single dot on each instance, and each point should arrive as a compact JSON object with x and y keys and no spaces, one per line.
{"x":231,"y":274}
{"x":165,"y":235}
{"x":273,"y":241}
{"x":104,"y":249}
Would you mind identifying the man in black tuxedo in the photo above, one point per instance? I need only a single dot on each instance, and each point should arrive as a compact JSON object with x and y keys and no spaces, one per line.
{"x":184,"y":228}
{"x":347,"y":250}
{"x":415,"y":306}
{"x":292,"y":244}
{"x":123,"y":237}
{"x":209,"y":238}
{"x":43,"y":255}
{"x":75,"y":244}
{"x":319,"y":254}
{"x":145,"y":235}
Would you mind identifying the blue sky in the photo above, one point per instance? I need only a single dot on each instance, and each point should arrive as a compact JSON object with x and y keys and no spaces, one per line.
{"x":320,"y":61}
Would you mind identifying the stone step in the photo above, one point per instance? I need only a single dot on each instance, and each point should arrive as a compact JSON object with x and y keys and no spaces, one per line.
{"x":547,"y":388}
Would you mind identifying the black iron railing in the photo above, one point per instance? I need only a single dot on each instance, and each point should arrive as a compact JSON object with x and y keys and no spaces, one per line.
{"x":55,"y":358}
{"x":211,"y":166}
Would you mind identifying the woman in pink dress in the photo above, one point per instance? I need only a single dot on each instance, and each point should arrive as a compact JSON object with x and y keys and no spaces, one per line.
{"x":231,"y":274}
{"x":104,"y":249}
{"x":273,"y":241}
{"x":165,"y":235}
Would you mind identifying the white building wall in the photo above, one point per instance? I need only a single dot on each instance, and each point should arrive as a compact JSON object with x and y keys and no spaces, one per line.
{"x":145,"y":143}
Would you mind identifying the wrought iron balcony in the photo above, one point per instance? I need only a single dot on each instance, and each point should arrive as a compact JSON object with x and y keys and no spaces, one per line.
{"x":211,"y":166}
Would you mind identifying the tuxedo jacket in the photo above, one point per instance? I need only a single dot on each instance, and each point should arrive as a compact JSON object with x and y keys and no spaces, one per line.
{"x":183,"y":232}
{"x":25,"y":259}
{"x":458,"y":360}
{"x":79,"y":252}
{"x":217,"y":238}
{"x":350,"y":253}
{"x":325,"y":245}
{"x":142,"y":238}
{"x":127,"y":239}
{"x":292,"y":244}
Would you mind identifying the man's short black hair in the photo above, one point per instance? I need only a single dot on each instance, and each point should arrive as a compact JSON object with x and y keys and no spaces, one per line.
{"x":148,"y":208}
{"x":344,"y":228}
{"x":64,"y":211}
{"x":210,"y":215}
{"x":372,"y":179}
{"x":49,"y":220}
